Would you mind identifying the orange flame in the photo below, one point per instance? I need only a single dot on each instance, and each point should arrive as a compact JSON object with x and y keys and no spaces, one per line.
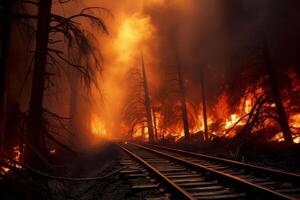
{"x":98,"y":127}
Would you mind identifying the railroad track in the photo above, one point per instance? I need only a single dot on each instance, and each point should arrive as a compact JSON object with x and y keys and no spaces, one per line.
{"x":188,"y":175}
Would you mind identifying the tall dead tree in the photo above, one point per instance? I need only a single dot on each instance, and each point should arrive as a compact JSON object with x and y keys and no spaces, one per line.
{"x":35,"y":119}
{"x":67,"y":32}
{"x":276,"y":96}
{"x":203,"y":95}
{"x":155,"y":125}
{"x":183,"y":102}
{"x":6,"y":30}
{"x":147,"y":103}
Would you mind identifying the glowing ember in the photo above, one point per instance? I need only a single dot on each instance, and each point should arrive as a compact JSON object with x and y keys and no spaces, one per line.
{"x":296,"y":140}
{"x":16,"y":157}
{"x":5,"y":169}
{"x":52,"y":151}
{"x":295,"y":121}
{"x":248,"y":105}
{"x":279,"y":138}
{"x":230,"y":122}
{"x":17,"y":153}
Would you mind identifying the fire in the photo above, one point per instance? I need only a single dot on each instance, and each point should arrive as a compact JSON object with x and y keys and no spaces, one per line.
{"x":234,"y":118}
{"x":221,"y":109}
{"x":294,"y":79}
{"x":141,"y":131}
{"x":227,"y":121}
{"x":279,"y":138}
{"x":130,"y":34}
{"x":133,"y":32}
{"x":17,"y":153}
{"x":295,"y":121}
{"x":98,"y":127}
{"x":16,"y":157}
{"x":248,"y":105}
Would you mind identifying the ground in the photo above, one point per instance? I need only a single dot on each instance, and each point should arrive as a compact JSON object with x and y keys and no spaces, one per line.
{"x":104,"y":159}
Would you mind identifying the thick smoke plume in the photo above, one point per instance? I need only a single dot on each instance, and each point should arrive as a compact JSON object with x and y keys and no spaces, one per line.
{"x":208,"y":36}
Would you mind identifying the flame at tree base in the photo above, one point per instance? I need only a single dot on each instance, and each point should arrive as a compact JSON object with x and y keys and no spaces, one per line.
{"x":98,"y":127}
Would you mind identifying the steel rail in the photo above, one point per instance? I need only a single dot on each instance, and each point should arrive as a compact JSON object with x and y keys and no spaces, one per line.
{"x":246,"y":185}
{"x":280,"y":174}
{"x":182,"y":194}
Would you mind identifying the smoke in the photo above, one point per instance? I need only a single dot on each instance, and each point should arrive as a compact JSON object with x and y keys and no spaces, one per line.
{"x":205,"y":35}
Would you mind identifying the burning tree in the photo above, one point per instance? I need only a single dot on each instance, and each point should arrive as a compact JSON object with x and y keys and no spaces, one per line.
{"x":204,"y":106}
{"x":282,"y":118}
{"x":176,"y":116}
{"x":139,"y":110}
{"x":185,"y":119}
{"x":264,"y":107}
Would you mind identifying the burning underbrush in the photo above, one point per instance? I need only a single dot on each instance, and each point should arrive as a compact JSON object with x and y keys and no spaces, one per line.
{"x":253,"y":113}
{"x":189,"y":86}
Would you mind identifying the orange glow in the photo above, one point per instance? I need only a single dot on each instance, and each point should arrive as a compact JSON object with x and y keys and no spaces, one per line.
{"x":141,"y":131}
{"x":294,"y":79}
{"x":234,"y":118}
{"x":221,"y":109}
{"x":229,"y":120}
{"x":97,"y":127}
{"x":279,"y":138}
{"x":52,"y":151}
{"x":6,"y":170}
{"x":133,"y":32}
{"x":248,"y":105}
{"x":295,"y":121}
{"x":17,"y":153}
{"x":16,"y":157}
{"x":183,"y":5}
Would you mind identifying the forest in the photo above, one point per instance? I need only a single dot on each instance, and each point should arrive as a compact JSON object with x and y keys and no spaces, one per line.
{"x":95,"y":93}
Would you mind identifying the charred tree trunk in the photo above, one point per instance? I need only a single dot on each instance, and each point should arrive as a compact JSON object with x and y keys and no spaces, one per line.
{"x":143,"y":130}
{"x":7,"y":20}
{"x":277,"y":97}
{"x":183,"y":103}
{"x":204,"y":106}
{"x":147,"y":103}
{"x":155,"y":125}
{"x":35,"y":137}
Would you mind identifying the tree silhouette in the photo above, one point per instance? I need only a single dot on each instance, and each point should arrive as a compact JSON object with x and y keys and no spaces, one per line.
{"x":185,"y":119}
{"x":138,"y":110}
{"x":6,"y":29}
{"x":147,"y":103}
{"x":277,"y":97}
{"x":50,"y":59}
